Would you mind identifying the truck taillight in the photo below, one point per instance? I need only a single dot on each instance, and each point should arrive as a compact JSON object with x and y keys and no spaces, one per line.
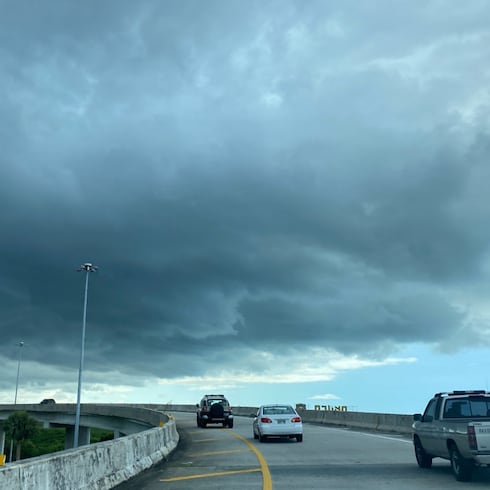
{"x":472,"y":437}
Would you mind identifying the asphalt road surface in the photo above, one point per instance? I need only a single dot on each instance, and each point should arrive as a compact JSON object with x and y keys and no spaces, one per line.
{"x":328,"y":458}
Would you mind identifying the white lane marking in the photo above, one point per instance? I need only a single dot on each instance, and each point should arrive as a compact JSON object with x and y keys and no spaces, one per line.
{"x":390,"y":438}
{"x":369,"y":434}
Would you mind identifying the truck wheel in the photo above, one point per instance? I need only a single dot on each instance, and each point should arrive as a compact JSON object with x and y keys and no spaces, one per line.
{"x":230,"y":424}
{"x":462,"y":468}
{"x":423,"y":459}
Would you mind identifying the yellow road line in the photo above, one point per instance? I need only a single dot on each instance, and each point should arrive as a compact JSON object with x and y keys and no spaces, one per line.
{"x":210,"y":453}
{"x":264,"y":468}
{"x":266,"y":476}
{"x":207,"y":475}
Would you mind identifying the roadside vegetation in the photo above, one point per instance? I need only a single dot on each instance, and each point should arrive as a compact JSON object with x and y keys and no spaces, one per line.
{"x":33,"y":440}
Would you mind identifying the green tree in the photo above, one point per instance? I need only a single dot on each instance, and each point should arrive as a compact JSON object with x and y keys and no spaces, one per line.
{"x":21,"y":427}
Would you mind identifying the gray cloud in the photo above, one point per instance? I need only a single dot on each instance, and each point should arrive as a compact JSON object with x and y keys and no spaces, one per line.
{"x":246,"y":176}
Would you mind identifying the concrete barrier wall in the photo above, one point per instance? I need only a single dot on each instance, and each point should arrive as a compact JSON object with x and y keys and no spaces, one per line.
{"x":99,"y":466}
{"x":383,"y":422}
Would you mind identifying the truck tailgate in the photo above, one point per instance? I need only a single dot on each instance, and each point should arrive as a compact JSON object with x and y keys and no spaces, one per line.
{"x":482,"y":432}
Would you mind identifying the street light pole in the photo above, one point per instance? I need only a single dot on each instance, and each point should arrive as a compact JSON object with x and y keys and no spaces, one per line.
{"x":88,"y":268}
{"x":21,"y":344}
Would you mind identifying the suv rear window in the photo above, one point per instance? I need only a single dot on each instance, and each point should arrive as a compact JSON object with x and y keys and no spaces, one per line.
{"x":221,"y":401}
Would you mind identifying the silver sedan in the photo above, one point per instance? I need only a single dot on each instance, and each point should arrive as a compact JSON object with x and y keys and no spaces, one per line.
{"x":277,"y":421}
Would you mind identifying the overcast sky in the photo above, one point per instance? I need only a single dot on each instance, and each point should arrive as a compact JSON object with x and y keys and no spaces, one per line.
{"x":287,"y":200}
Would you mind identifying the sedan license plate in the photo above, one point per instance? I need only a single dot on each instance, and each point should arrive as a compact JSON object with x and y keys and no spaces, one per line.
{"x":281,"y":421}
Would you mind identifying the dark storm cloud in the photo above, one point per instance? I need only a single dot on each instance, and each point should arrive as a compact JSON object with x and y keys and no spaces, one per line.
{"x":288,"y":172}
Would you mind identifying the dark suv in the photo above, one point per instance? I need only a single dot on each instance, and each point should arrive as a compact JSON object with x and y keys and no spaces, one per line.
{"x":214,"y":409}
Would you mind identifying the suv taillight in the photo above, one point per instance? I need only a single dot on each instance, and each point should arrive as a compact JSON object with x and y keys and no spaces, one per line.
{"x":472,"y":437}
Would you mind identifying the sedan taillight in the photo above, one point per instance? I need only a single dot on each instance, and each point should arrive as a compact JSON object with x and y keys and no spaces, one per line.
{"x":266,"y":420}
{"x":296,"y":420}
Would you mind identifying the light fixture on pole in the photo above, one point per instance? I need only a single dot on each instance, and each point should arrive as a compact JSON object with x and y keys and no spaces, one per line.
{"x":20,"y":344}
{"x":88,"y":268}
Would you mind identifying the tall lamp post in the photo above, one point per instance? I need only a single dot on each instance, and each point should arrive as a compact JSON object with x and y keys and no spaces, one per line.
{"x":20,"y":344}
{"x":88,"y":268}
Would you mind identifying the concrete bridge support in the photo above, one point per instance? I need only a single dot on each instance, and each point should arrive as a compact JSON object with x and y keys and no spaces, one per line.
{"x":83,"y":436}
{"x":2,"y":441}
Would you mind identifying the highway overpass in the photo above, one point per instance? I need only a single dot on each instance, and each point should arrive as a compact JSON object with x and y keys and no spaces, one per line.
{"x":123,"y":419}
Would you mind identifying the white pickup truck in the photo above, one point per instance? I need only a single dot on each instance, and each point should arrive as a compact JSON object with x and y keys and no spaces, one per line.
{"x":454,"y":426}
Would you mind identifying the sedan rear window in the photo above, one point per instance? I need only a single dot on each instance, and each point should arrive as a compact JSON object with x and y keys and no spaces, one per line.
{"x":279,"y":410}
